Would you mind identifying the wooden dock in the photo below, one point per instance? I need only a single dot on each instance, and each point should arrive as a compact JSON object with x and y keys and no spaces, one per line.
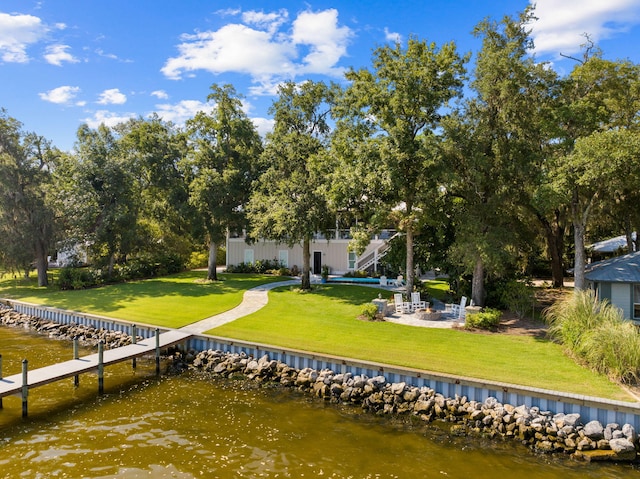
{"x":19,"y":384}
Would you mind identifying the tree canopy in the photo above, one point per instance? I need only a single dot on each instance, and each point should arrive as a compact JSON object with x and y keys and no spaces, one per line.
{"x":498,"y":176}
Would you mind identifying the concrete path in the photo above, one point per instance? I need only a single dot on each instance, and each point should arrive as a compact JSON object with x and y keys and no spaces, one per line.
{"x":256,"y":298}
{"x":252,"y":300}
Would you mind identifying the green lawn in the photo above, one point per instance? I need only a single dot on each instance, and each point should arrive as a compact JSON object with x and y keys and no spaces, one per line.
{"x":325,"y":322}
{"x":171,"y":301}
{"x":438,"y":288}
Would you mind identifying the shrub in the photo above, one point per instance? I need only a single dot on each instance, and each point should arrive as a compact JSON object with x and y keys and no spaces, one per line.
{"x":595,"y":333}
{"x":76,"y":278}
{"x":517,"y":296}
{"x":261,"y":267}
{"x":370,"y":312}
{"x":569,"y":319}
{"x":488,"y":319}
{"x":240,"y":268}
{"x":613,"y":348}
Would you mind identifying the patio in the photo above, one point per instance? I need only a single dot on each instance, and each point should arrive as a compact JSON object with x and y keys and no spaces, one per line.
{"x":447,"y":319}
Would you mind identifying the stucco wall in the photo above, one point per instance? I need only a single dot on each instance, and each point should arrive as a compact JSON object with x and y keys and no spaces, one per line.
{"x":334,"y":252}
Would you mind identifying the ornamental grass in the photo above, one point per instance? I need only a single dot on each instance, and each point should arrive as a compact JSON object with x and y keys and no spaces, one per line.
{"x":596,"y":334}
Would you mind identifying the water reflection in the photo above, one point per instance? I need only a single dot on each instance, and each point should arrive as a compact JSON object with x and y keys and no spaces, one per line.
{"x":192,"y":427}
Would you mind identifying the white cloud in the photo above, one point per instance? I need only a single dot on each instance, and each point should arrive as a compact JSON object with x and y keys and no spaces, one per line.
{"x":112,"y":97}
{"x":107,"y":118}
{"x":62,"y":95}
{"x":17,"y":32}
{"x":228,"y":12}
{"x":268,"y":21}
{"x":182,"y":111}
{"x":327,"y":42}
{"x":561,"y":26}
{"x":56,"y":54}
{"x":264,"y":48}
{"x":160,"y":94}
{"x":263,"y":125}
{"x":390,"y":36}
{"x":232,"y":48}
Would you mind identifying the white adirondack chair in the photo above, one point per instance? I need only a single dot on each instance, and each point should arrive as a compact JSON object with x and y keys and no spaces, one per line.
{"x":398,"y":282}
{"x":458,"y":310}
{"x":401,"y":305}
{"x":416,"y":303}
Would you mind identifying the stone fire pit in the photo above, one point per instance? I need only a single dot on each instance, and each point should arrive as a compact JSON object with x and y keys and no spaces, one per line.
{"x":429,"y":314}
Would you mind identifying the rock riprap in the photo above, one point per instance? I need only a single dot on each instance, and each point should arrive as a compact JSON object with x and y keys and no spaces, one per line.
{"x":542,"y":431}
{"x":86,"y":335}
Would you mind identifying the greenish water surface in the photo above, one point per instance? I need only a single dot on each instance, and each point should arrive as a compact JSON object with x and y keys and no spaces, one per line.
{"x":192,"y":426}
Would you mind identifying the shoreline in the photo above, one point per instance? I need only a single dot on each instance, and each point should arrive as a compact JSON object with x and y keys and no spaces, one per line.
{"x":539,"y":430}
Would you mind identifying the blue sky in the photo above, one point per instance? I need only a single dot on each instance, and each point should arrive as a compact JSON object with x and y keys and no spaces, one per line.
{"x":68,"y":62}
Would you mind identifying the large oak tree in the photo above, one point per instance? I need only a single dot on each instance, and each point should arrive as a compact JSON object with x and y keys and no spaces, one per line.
{"x":400,"y":103}
{"x":224,"y":162}
{"x":290,"y":202}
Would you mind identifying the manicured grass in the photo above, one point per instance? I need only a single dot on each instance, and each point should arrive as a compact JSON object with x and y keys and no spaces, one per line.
{"x":438,"y":288}
{"x":171,"y":301}
{"x":324,"y":321}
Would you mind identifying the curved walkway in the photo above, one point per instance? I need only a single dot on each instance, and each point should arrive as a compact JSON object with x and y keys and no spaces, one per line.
{"x":252,"y":300}
{"x":257,"y":298}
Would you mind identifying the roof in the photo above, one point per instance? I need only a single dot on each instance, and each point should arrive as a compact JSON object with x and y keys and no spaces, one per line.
{"x":620,"y":269}
{"x":611,"y":245}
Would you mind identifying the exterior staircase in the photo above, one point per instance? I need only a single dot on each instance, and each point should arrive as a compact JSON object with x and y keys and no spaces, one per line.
{"x":376,"y":250}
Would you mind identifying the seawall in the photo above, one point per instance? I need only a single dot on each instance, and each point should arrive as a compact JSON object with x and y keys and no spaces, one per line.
{"x":588,"y":408}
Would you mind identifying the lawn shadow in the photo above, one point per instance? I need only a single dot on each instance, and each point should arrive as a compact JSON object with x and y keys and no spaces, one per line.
{"x":182,"y":288}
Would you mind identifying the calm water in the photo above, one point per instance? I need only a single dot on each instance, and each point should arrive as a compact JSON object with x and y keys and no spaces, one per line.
{"x":190,"y":426}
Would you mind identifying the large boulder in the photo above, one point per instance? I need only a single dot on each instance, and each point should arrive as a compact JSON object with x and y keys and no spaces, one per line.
{"x":623,"y":448}
{"x":594,"y":430}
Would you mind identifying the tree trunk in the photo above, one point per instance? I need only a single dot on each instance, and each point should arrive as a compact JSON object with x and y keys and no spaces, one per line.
{"x":42,"y":264}
{"x":409,"y":261}
{"x":306,"y":260}
{"x":579,"y":261}
{"x":631,"y":246}
{"x":580,"y":216}
{"x":554,"y":237}
{"x":477,"y":283}
{"x":112,"y":262}
{"x":212,"y":273}
{"x":555,"y":245}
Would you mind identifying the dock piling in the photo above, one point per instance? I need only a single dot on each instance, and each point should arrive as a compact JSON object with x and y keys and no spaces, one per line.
{"x":134,"y":339}
{"x":100,"y":367}
{"x":158,"y":351}
{"x":76,"y":378}
{"x":25,"y":388}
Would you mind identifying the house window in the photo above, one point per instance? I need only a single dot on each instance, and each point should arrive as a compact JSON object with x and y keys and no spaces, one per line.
{"x":283,"y":257}
{"x":352,"y":260}
{"x":636,"y":301}
{"x":248,"y":256}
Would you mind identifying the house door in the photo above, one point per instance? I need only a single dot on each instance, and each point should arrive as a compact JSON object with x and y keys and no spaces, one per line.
{"x":317,"y":262}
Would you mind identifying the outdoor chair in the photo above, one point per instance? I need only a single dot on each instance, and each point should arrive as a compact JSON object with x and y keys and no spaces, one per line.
{"x":400,"y":304}
{"x":458,"y":310}
{"x":416,"y":303}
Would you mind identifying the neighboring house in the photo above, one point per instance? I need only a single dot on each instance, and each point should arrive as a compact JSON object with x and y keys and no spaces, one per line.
{"x":618,"y":280}
{"x":72,"y":255}
{"x":611,"y":247}
{"x":333,"y":252}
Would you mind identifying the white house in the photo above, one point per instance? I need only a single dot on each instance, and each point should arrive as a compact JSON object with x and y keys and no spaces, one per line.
{"x":332,"y":251}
